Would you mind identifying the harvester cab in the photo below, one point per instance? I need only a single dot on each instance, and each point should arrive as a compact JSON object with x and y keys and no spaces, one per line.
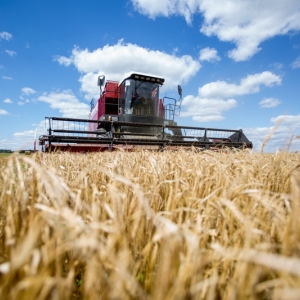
{"x":130,"y":114}
{"x":135,"y":99}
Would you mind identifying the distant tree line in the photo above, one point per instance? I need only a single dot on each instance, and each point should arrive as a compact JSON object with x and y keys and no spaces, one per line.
{"x":5,"y":151}
{"x":26,"y":151}
{"x":10,"y":151}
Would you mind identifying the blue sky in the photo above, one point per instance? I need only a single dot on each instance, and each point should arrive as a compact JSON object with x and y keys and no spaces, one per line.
{"x":238,"y":62}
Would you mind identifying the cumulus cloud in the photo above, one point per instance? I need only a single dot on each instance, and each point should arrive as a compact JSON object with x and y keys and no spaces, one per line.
{"x":21,"y":103}
{"x":277,"y":66}
{"x":269,"y":102}
{"x":6,"y":144}
{"x":17,"y":143}
{"x":296,"y":63}
{"x":216,"y":97}
{"x":67,"y":104}
{"x":166,"y":8}
{"x":283,"y":138}
{"x":248,"y":23}
{"x":245,"y":23}
{"x":248,"y":85}
{"x":10,"y":52}
{"x":28,"y":91}
{"x":62,"y":60}
{"x":5,"y":35}
{"x":209,"y":54}
{"x":24,"y":139}
{"x":3,"y":112}
{"x":291,"y":120}
{"x":115,"y":60}
{"x":25,"y":134}
{"x":7,"y":100}
{"x":206,"y":109}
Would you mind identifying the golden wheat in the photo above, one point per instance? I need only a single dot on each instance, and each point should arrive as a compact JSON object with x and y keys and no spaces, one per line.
{"x":148,"y":225}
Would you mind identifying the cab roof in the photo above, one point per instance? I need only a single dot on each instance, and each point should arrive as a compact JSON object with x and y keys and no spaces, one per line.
{"x":143,"y":77}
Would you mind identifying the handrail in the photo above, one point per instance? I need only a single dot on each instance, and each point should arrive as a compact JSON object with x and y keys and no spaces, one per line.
{"x":172,"y":109}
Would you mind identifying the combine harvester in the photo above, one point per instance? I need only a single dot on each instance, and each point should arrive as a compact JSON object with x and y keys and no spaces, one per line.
{"x":130,"y":115}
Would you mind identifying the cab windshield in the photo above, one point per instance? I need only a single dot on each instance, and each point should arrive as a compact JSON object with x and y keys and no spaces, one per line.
{"x":138,"y":98}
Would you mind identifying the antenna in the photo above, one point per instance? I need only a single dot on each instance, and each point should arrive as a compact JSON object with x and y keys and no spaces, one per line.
{"x":92,"y":103}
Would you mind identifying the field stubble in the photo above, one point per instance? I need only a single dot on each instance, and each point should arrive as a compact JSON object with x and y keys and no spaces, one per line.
{"x":147,"y":225}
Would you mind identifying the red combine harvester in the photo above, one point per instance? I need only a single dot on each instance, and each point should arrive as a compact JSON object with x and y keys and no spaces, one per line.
{"x":130,"y":114}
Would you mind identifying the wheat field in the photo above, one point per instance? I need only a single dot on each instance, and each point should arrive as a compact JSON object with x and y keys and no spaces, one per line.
{"x":149,"y":225}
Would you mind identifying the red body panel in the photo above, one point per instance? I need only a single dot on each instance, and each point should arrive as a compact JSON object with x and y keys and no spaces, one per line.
{"x":161,"y":107}
{"x":108,"y":97}
{"x":107,"y":103}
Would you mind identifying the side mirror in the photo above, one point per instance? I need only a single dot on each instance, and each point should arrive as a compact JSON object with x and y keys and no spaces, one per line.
{"x":179,"y":90}
{"x":101,"y":80}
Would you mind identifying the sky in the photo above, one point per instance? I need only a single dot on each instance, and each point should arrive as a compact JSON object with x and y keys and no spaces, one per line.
{"x":238,"y":62}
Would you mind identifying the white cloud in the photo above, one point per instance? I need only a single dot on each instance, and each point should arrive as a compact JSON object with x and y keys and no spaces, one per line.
{"x":28,"y":91}
{"x":26,"y":133}
{"x":5,"y":36}
{"x":210,"y":118}
{"x":3,"y":112}
{"x":246,"y":23}
{"x":62,"y":60}
{"x":167,"y":8}
{"x":296,"y":63}
{"x":250,"y":22}
{"x":7,"y":100}
{"x":8,"y":144}
{"x":277,"y":66}
{"x":290,"y":120}
{"x":7,"y":77}
{"x":216,"y":97}
{"x":10,"y":52}
{"x":67,"y":104}
{"x":206,"y":109}
{"x":269,"y":102}
{"x":24,"y":139}
{"x":284,"y":137}
{"x":209,"y":54}
{"x":248,"y":85}
{"x":116,"y":60}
